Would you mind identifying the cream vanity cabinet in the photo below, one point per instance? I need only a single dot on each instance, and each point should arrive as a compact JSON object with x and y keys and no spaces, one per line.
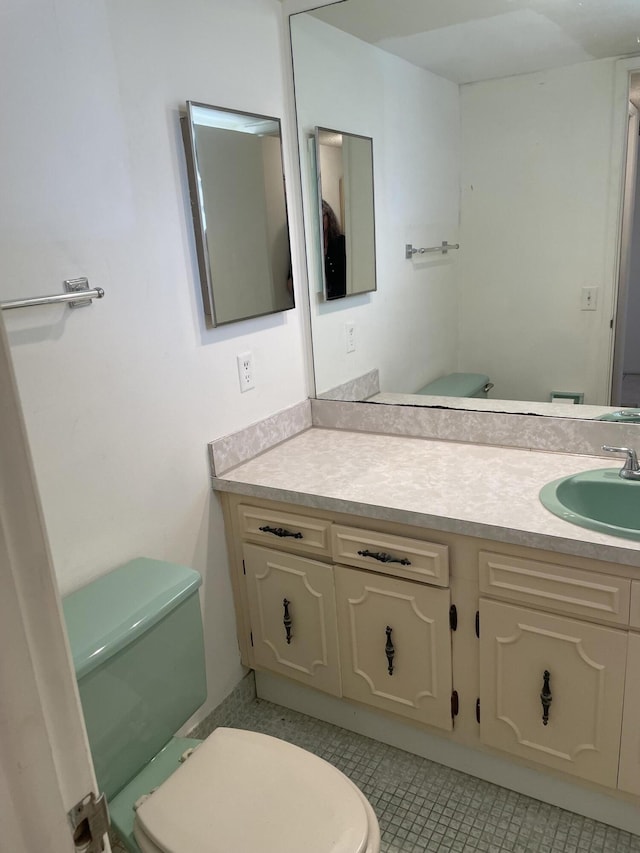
{"x":290,"y":598}
{"x":369,"y":620}
{"x":551,"y":683}
{"x":394,"y":632}
{"x":629,"y":775}
{"x":548,"y":674}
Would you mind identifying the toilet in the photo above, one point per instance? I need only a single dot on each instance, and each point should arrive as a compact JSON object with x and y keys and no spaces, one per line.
{"x":459,"y":385}
{"x":137,"y":644}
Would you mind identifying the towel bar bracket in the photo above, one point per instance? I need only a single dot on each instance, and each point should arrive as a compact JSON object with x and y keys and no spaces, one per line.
{"x":443,"y":248}
{"x":77,"y":295}
{"x":77,"y":285}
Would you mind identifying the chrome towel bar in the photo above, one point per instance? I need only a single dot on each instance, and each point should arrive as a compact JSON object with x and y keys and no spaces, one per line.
{"x":78,"y":295}
{"x":444,"y":247}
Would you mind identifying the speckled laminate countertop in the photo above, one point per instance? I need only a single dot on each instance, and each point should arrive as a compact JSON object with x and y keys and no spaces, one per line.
{"x":476,"y":490}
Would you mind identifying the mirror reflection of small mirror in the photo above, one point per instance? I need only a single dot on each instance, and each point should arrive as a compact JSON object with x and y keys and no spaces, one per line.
{"x":236,"y":181}
{"x":347,"y":228}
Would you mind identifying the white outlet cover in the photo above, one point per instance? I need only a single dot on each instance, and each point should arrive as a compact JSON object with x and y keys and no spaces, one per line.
{"x":245,"y":371}
{"x":350,"y":331}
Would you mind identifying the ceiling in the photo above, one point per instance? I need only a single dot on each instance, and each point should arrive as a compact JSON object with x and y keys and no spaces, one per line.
{"x":470,"y":40}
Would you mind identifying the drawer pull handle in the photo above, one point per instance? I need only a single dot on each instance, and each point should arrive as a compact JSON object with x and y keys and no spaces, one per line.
{"x":545,"y":697}
{"x":280,"y":531}
{"x":384,"y":558}
{"x":389,"y":650}
{"x":287,"y":619}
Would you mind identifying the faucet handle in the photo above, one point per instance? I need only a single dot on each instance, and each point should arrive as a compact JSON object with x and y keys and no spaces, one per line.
{"x":631,"y":462}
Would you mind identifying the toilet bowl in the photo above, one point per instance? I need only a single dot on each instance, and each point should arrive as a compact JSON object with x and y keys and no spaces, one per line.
{"x":243,"y":791}
{"x":137,"y":644}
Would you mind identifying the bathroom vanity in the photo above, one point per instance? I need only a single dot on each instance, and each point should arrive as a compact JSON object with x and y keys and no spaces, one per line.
{"x":423,"y":580}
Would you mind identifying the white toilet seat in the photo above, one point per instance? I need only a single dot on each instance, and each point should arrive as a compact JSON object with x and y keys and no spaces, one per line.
{"x":243,"y":792}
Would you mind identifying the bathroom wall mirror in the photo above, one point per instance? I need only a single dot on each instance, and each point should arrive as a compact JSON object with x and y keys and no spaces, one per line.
{"x":236,"y":182}
{"x":344,"y":163}
{"x":499,"y":127}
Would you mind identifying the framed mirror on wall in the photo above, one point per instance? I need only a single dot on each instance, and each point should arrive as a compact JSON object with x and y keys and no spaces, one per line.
{"x":238,"y":203}
{"x":499,"y":151}
{"x":344,"y":163}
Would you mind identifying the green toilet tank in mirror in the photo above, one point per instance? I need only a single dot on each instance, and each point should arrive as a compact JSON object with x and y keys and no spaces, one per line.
{"x":238,"y":203}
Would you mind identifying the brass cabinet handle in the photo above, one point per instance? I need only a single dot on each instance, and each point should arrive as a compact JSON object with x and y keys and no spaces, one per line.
{"x":287,"y":619}
{"x":389,"y":650}
{"x":382,"y":557}
{"x":545,"y":697}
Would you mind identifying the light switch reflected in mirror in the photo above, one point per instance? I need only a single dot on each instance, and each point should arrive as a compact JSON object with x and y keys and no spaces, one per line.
{"x":344,"y":163}
{"x":236,"y":183}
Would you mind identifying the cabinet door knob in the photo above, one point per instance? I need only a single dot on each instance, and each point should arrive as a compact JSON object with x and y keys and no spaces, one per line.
{"x":287,"y":619}
{"x":389,"y":650}
{"x":545,"y":697}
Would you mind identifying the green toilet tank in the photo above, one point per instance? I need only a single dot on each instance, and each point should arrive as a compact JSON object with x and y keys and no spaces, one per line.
{"x":459,"y":385}
{"x":137,"y":644}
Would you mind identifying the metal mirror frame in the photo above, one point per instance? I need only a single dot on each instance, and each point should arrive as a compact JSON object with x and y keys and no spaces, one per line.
{"x":197,"y":207}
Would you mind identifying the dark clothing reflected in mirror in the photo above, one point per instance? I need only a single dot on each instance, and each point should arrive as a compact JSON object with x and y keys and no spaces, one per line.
{"x":344,"y":171}
{"x":335,"y":255}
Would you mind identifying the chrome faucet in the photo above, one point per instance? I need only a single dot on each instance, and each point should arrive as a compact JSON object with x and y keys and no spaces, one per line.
{"x":631,"y":469}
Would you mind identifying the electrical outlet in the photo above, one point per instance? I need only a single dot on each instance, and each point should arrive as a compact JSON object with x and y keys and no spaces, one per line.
{"x":589,"y":301}
{"x":245,"y":371}
{"x":350,"y":330}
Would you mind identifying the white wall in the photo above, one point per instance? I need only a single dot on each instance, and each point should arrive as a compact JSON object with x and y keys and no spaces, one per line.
{"x":536,"y":154}
{"x":121,"y":398}
{"x":412,"y":115}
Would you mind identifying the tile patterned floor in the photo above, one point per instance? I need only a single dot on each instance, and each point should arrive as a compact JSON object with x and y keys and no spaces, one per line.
{"x":423,"y":806}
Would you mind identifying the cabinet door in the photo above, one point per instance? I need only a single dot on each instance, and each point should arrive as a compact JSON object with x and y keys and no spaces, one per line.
{"x":529,"y":660}
{"x":629,"y":776}
{"x":395,"y":645}
{"x":293,"y":617}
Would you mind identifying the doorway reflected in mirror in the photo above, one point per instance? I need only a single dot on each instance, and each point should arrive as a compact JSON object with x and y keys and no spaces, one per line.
{"x":344,"y":163}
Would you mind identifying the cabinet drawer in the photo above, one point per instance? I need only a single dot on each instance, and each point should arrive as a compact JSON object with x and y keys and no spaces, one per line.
{"x":553,"y":587}
{"x":399,"y":556}
{"x":287,"y":531}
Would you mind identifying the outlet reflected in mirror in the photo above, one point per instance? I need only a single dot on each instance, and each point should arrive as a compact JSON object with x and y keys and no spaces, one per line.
{"x":236,"y":182}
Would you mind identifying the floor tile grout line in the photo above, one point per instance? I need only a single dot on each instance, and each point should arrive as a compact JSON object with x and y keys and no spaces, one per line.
{"x":423,"y":806}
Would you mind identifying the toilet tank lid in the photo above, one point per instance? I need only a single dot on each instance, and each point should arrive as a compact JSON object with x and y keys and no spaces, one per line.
{"x":115,"y":609}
